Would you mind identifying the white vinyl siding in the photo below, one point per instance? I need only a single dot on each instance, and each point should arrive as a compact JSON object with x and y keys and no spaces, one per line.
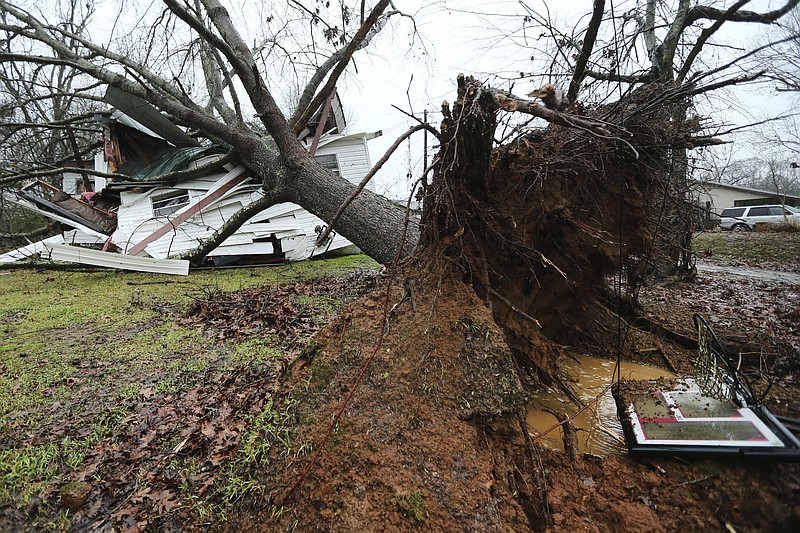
{"x":288,"y":222}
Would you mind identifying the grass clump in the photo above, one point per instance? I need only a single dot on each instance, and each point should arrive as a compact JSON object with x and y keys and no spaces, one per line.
{"x":413,"y":505}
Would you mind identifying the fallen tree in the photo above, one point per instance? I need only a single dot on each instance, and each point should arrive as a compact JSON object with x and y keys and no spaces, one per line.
{"x":412,"y":399}
{"x":427,"y":378}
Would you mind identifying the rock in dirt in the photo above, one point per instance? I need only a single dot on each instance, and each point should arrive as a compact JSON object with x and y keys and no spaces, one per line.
{"x":75,"y":494}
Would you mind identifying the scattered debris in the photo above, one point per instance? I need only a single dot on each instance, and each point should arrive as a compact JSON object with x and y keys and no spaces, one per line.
{"x":170,"y":194}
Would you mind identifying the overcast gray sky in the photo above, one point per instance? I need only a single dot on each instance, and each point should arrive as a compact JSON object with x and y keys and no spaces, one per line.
{"x":472,"y":37}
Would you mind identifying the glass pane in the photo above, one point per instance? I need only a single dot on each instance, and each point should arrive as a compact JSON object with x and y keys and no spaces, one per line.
{"x":702,"y":431}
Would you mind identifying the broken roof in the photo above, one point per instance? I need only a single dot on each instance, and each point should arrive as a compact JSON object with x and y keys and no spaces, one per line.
{"x":146,"y":115}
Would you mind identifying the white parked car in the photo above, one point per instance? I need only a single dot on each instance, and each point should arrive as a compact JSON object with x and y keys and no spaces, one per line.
{"x":746,"y":218}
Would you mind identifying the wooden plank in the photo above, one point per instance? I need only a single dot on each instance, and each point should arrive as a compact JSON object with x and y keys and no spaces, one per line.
{"x":146,"y":115}
{"x":58,"y":218}
{"x":326,"y":109}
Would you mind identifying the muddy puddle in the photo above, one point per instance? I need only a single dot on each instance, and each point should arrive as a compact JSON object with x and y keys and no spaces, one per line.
{"x":599,"y":429}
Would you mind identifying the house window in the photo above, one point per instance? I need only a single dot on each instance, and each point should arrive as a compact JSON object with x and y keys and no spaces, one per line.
{"x":169,"y":203}
{"x":330,"y":162}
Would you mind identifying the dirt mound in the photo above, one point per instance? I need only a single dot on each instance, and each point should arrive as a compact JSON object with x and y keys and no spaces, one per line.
{"x":430,"y":436}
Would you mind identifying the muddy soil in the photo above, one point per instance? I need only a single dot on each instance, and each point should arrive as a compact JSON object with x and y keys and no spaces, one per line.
{"x":409,"y":449}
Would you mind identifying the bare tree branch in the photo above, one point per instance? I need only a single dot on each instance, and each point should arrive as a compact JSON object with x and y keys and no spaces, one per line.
{"x":647,"y":77}
{"x":705,"y":35}
{"x":586,"y":50}
{"x":334,"y":59}
{"x":665,"y":54}
{"x":511,"y":103}
{"x":352,"y":47}
{"x":727,"y":83}
{"x":700,"y":12}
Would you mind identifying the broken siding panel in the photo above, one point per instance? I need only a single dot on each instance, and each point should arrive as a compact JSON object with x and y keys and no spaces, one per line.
{"x":139,"y":222}
{"x":305,"y":248}
{"x":134,"y":210}
{"x":241,"y":243}
{"x":257,"y":248}
{"x":74,"y":237}
{"x":234,"y":245}
{"x":76,"y":254}
{"x":202,"y":226}
{"x":28,"y":250}
{"x":265,"y":228}
{"x":242,"y":199}
{"x":176,"y":244}
{"x":189,"y":234}
{"x":276,"y":211}
{"x":300,"y":221}
{"x":288,"y":222}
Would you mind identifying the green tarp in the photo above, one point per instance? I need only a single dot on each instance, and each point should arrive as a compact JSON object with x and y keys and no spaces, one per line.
{"x":169,"y":161}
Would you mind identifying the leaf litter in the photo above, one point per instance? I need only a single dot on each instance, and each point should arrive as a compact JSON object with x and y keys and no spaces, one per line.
{"x":169,"y":455}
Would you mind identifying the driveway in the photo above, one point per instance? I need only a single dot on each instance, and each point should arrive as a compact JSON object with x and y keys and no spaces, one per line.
{"x":772,"y":276}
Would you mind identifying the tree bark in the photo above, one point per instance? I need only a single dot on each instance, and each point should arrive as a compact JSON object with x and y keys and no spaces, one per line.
{"x":376,"y":225}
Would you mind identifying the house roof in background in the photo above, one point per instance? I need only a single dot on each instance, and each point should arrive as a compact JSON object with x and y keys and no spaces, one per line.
{"x":728,"y":186}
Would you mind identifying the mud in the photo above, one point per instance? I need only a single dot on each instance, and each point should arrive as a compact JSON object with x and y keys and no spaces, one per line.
{"x":438,"y":415}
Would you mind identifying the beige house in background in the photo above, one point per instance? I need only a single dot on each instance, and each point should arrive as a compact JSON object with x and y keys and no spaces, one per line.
{"x":712,"y":197}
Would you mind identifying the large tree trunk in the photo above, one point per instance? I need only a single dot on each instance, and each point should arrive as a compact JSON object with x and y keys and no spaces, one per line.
{"x":379,"y":227}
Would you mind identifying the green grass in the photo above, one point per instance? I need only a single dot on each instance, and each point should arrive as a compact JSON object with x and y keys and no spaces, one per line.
{"x":413,"y":505}
{"x":25,"y":470}
{"x":77,"y":347}
{"x":757,"y":249}
{"x":256,"y":351}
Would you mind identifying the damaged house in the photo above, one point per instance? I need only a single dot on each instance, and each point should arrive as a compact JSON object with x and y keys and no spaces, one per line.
{"x":142,"y":218}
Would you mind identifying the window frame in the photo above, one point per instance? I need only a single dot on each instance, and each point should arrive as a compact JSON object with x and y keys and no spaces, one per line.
{"x":166,"y":204}
{"x":326,"y":159}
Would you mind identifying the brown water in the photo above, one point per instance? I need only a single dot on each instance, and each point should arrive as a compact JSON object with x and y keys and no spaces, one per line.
{"x":599,"y":429}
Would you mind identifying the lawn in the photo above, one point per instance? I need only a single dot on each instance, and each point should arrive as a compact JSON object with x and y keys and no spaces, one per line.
{"x":772,"y":250}
{"x":105,"y":374}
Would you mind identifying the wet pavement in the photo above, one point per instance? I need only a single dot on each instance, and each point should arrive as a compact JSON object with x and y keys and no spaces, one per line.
{"x":773,"y":276}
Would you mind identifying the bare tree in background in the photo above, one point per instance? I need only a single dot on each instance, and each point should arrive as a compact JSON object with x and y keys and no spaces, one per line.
{"x":190,"y":61}
{"x":782,"y":54}
{"x":46,"y":119}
